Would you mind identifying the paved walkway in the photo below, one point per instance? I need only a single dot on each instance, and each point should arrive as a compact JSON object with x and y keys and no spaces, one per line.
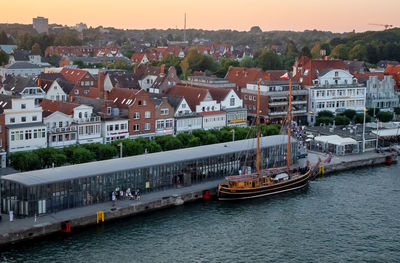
{"x":26,"y":223}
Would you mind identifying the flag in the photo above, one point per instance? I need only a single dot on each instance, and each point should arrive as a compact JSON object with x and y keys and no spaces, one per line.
{"x":285,"y":76}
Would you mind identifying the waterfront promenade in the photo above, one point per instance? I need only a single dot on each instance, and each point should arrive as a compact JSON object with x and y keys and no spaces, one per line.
{"x":27,"y":228}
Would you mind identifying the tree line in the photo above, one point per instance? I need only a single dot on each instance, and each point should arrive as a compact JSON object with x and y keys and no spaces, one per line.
{"x":75,"y":154}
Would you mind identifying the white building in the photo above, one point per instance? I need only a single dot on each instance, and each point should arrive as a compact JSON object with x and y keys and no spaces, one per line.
{"x":25,"y":69}
{"x":88,"y":125}
{"x":381,"y":93}
{"x":185,"y":119}
{"x":335,"y":90}
{"x":113,"y":129}
{"x":59,"y":90}
{"x":61,"y":131}
{"x":41,"y":24}
{"x":26,"y":131}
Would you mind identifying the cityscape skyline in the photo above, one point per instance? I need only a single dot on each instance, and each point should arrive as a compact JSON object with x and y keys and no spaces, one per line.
{"x":223,"y":14}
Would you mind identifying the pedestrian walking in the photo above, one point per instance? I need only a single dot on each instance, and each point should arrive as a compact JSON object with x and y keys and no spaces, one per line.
{"x":113,"y":198}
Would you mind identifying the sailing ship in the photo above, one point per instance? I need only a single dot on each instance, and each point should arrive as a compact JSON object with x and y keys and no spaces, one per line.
{"x":269,"y":181}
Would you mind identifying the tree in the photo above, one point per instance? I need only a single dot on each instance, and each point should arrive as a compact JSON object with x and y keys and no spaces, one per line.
{"x":359,"y":118}
{"x":305,"y":51}
{"x":173,"y":143}
{"x":194,"y":142}
{"x":323,"y":120}
{"x":385,"y":116}
{"x":79,"y":63}
{"x":50,"y":156}
{"x":81,"y":155}
{"x":268,"y":130}
{"x":291,"y":48}
{"x":3,"y":58}
{"x":224,"y":66}
{"x":3,"y":38}
{"x":36,"y":49}
{"x":326,"y":47}
{"x":373,"y":112}
{"x":340,"y":51}
{"x":194,"y":61}
{"x":25,"y":42}
{"x":106,"y":151}
{"x":185,"y":138}
{"x":342,"y":120}
{"x":153,"y":147}
{"x":247,"y":62}
{"x":267,"y":60}
{"x":372,"y":54}
{"x":325,"y":113}
{"x":358,"y":53}
{"x":349,"y":113}
{"x":255,"y":29}
{"x":121,"y":64}
{"x":397,"y":110}
{"x":210,"y":138}
{"x":25,"y":161}
{"x":316,"y":50}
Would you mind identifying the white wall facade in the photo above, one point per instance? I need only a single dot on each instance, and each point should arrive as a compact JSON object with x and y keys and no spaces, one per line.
{"x":55,"y":92}
{"x":214,"y":121}
{"x":89,"y":127}
{"x":61,"y":131}
{"x":231,"y":101}
{"x":381,"y":93}
{"x":113,"y":130}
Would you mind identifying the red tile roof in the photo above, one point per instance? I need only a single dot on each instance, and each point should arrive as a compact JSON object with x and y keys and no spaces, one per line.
{"x":365,"y":76}
{"x":192,"y":95}
{"x":241,"y":76}
{"x":394,"y":71}
{"x":275,"y":74}
{"x":73,"y":75}
{"x":313,"y":67}
{"x":53,"y":106}
{"x":137,"y":57}
{"x":123,"y":98}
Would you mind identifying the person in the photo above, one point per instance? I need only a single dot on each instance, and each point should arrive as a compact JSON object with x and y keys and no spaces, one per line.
{"x":121,"y":194}
{"x":137,"y":194}
{"x":113,"y":198}
{"x":129,"y":194}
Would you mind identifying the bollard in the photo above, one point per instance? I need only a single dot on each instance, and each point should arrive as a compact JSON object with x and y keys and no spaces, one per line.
{"x":100,"y":216}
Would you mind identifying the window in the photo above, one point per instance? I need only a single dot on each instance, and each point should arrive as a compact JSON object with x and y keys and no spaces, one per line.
{"x":336,"y":74}
{"x":12,"y":120}
{"x":164,"y":111}
{"x":23,"y":106}
{"x":116,"y":127}
{"x":148,"y":81}
{"x":87,"y":83}
{"x":91,"y":83}
{"x":245,"y":97}
{"x":140,"y":103}
{"x":76,"y":92}
{"x":136,"y":127}
{"x":232,"y":102}
{"x":144,"y":103}
{"x":147,"y":114}
{"x":82,"y":83}
{"x":23,"y":119}
{"x":147,"y":126}
{"x":183,"y":105}
{"x":136,"y":115}
{"x":60,"y":124}
{"x":108,"y":110}
{"x":85,"y":92}
{"x":331,"y":93}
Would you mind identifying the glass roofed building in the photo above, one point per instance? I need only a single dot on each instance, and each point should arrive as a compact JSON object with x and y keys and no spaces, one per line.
{"x":55,"y":189}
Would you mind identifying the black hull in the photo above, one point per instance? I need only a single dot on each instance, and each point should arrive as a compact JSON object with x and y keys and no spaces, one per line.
{"x":225,"y":193}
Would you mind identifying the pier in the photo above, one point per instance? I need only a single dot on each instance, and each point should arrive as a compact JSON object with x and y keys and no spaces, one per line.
{"x":28,"y":228}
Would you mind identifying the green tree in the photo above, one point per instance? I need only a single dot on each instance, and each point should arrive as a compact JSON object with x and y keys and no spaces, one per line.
{"x":327,"y":48}
{"x":3,"y":58}
{"x":172,"y":143}
{"x":224,"y":66}
{"x":106,"y":151}
{"x":291,"y":48}
{"x":79,"y":63}
{"x":397,"y":110}
{"x":384,"y":116}
{"x":316,"y":50}
{"x":340,"y":51}
{"x":121,"y":64}
{"x":194,"y":61}
{"x":358,"y":52}
{"x":36,"y":49}
{"x":50,"y":156}
{"x":372,"y":54}
{"x":255,"y":30}
{"x":268,"y":130}
{"x":25,"y":42}
{"x":325,"y":113}
{"x":305,"y":51}
{"x":210,"y":138}
{"x":185,"y":138}
{"x":25,"y":161}
{"x":3,"y":38}
{"x":349,"y":113}
{"x":153,"y":147}
{"x":342,"y":120}
{"x":267,"y":60}
{"x":359,"y":118}
{"x":247,"y":62}
{"x":323,"y":119}
{"x":194,"y":142}
{"x":81,"y":155}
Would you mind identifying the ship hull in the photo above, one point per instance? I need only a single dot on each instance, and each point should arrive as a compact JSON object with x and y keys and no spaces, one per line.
{"x":225,"y":193}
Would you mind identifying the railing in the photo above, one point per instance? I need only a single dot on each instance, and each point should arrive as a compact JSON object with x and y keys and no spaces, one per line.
{"x":63,"y":129}
{"x":91,"y":119}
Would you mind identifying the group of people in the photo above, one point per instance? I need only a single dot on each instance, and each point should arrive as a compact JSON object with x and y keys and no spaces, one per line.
{"x":119,"y":194}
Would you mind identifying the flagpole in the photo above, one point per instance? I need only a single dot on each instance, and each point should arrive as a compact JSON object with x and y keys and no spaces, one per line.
{"x":290,"y":124}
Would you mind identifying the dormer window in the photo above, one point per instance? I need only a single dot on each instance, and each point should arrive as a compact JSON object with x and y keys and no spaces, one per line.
{"x":336,"y":74}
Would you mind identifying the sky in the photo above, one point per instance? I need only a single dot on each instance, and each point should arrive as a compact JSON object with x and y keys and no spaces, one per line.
{"x":297,"y":15}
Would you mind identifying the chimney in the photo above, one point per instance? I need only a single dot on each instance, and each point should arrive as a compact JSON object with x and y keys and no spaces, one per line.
{"x":326,"y":57}
{"x":134,"y":70}
{"x":162,"y":69}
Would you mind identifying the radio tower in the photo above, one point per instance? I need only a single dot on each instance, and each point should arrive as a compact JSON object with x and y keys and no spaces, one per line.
{"x":184,"y":29}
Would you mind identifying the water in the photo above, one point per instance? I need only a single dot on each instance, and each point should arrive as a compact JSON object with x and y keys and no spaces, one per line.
{"x":353,"y":216}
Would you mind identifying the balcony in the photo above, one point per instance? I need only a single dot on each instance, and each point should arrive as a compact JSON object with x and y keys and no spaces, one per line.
{"x":278,"y":113}
{"x":86,"y":120}
{"x":280,"y":103}
{"x":63,"y":129}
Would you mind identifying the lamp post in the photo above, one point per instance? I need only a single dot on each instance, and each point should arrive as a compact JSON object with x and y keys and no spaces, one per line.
{"x":377,"y":134}
{"x":120,"y":149}
{"x":233,"y":134}
{"x":310,"y":112}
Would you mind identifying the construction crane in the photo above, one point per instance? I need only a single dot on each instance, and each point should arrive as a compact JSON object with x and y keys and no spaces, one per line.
{"x":387,"y":26}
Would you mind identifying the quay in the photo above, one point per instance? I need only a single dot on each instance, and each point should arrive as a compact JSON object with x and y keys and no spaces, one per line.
{"x":28,"y":228}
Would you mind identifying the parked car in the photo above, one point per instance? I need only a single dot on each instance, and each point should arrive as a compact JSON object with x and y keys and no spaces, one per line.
{"x":302,"y":154}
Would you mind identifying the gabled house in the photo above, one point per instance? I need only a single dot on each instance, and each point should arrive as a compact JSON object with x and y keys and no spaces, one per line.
{"x":185,"y":119}
{"x":61,"y":130}
{"x":25,"y":129}
{"x":22,"y":87}
{"x":59,"y":90}
{"x":164,"y":115}
{"x":241,"y":76}
{"x":121,"y":80}
{"x":85,"y":83}
{"x":138,"y":107}
{"x":139,"y":58}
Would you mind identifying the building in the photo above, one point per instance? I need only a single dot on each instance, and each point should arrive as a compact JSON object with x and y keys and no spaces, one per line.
{"x":114,"y":127}
{"x":380,"y":92}
{"x":60,"y":188}
{"x":25,"y":69}
{"x":22,"y":87}
{"x":59,"y":90}
{"x":164,"y":115}
{"x":185,"y":119}
{"x":84,"y":83}
{"x":61,"y":129}
{"x":274,"y":101}
{"x":209,"y":82}
{"x":25,"y":129}
{"x":335,"y":90}
{"x":41,"y":24}
{"x":241,"y":76}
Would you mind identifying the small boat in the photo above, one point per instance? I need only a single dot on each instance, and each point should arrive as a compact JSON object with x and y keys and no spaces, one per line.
{"x":269,"y":181}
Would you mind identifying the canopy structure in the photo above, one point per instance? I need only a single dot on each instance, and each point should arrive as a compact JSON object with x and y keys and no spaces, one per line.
{"x":388,"y":132}
{"x":335,"y":139}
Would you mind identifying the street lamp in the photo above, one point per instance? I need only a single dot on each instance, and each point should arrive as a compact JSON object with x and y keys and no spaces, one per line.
{"x":120,"y":149}
{"x":233,"y":134}
{"x":363,"y":134}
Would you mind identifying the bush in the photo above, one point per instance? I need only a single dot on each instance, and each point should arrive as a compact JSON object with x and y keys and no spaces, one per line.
{"x":371,"y":111}
{"x":194,"y":142}
{"x":185,"y":138}
{"x":153,"y":147}
{"x":106,"y":151}
{"x":342,"y":120}
{"x":384,"y":116}
{"x":210,"y":139}
{"x":397,"y":110}
{"x":173,"y":143}
{"x":268,"y":130}
{"x":50,"y":156}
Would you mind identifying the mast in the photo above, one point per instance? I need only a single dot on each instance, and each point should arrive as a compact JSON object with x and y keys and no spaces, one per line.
{"x":290,"y":124}
{"x":258,"y":128}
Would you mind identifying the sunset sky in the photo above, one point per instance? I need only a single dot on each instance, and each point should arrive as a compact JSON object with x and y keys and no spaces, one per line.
{"x":298,"y":15}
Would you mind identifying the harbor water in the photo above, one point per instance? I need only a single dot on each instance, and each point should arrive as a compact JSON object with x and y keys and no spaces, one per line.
{"x":352,"y":216}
